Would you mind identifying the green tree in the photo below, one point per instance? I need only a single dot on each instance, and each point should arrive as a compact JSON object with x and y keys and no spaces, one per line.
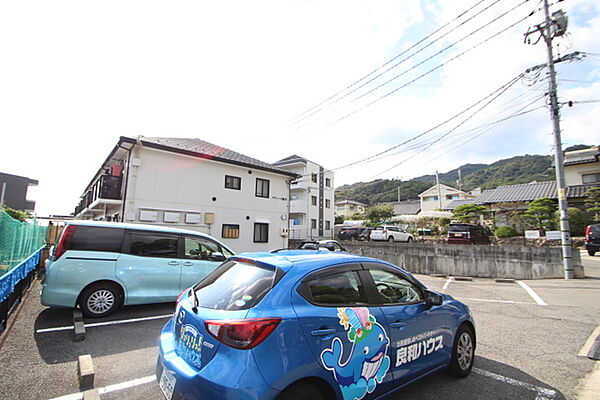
{"x":16,"y":214}
{"x":540,"y":213}
{"x":379,"y":213}
{"x":578,"y":220}
{"x":469,"y":212}
{"x":339,"y":220}
{"x":592,"y":202}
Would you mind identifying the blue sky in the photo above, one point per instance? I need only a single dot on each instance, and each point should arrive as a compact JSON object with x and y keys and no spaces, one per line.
{"x":77,"y":75}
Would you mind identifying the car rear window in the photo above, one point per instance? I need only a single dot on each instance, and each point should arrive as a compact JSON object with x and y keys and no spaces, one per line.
{"x":337,"y":289}
{"x":93,"y":238}
{"x":458,"y":228}
{"x":595,"y":229}
{"x":380,"y":228}
{"x":235,"y":285}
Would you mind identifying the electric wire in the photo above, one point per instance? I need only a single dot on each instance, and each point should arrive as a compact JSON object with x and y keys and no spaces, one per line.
{"x":391,"y":60}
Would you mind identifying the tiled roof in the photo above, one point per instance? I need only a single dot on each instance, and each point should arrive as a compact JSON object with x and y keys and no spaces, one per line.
{"x":583,"y":161}
{"x":407,"y":207}
{"x":339,"y":203}
{"x":457,"y":203}
{"x":528,"y":192}
{"x":201,"y":148}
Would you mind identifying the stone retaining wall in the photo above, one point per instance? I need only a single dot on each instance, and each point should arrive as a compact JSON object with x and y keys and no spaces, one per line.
{"x":516,"y":262}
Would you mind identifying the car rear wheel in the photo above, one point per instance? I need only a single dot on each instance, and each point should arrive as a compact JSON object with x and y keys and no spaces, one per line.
{"x":591,"y":252}
{"x":301,"y":391}
{"x":100,"y":300}
{"x":463,"y":352}
{"x":391,"y":239}
{"x":409,"y":240}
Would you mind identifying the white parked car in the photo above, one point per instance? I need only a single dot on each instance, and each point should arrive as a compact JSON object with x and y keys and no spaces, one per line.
{"x":391,"y":234}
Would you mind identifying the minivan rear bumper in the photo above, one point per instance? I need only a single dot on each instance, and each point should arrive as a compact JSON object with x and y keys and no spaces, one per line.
{"x":56,"y":296}
{"x":221,"y":377}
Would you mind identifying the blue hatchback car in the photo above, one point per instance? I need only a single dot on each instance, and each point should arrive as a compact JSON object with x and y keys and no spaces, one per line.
{"x":298,"y":324}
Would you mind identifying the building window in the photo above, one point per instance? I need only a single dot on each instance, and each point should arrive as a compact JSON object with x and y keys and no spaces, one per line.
{"x":313,"y":223}
{"x":328,"y":182}
{"x":313,"y":200}
{"x":313,"y":177}
{"x":230,"y":231}
{"x":452,"y":197}
{"x":327,"y":225}
{"x":262,"y":187}
{"x":590,"y":178}
{"x":297,"y":221}
{"x":327,"y":203}
{"x":431,"y":198}
{"x":233,"y":182}
{"x":261,"y":233}
{"x":294,"y":197}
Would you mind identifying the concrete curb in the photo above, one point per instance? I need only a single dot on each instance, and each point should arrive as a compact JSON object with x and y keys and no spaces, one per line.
{"x":591,"y":386}
{"x":503,"y":280}
{"x":463,"y":279}
{"x":91,"y":394}
{"x":85,"y":372}
{"x":79,"y":331}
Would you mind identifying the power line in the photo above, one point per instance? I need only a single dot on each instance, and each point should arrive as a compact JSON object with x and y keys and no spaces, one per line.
{"x":389,"y":61}
{"x":510,"y":83}
{"x":410,"y":69}
{"x":426,"y":73}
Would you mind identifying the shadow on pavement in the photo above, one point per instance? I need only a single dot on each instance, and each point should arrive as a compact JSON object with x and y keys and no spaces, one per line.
{"x":58,"y":347}
{"x":489,"y":380}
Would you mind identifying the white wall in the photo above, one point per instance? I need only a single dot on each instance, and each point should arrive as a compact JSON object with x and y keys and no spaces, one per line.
{"x":170,"y":182}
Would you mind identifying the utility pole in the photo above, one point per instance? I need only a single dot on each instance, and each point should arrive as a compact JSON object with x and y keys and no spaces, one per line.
{"x":439,"y":189}
{"x":551,"y":29}
{"x":400,"y":181}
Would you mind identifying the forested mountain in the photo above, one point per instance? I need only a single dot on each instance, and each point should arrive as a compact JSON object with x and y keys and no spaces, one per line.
{"x":515,"y":170}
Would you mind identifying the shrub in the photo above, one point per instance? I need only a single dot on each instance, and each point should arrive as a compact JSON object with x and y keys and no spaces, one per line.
{"x":506,"y":231}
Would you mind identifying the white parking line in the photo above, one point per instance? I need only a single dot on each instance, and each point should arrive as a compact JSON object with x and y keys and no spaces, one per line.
{"x":542,"y":393}
{"x":111,"y":388}
{"x":533,"y":294}
{"x":118,"y":322}
{"x":447,"y":283}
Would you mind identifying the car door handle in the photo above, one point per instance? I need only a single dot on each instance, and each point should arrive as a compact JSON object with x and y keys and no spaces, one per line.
{"x":322,"y":332}
{"x":398,"y":324}
{"x":188,"y":263}
{"x":173,"y":262}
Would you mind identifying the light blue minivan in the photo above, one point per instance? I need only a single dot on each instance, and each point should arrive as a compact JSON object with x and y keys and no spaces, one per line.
{"x":103,"y":265}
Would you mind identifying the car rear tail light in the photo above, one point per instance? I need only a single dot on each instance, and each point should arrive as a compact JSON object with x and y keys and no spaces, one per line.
{"x":588,"y":232}
{"x":242,"y":334}
{"x":65,"y":240}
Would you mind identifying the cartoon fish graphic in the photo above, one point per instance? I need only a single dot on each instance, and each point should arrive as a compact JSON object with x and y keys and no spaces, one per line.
{"x":368,"y":363}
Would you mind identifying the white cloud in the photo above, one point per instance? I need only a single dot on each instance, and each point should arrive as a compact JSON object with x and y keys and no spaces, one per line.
{"x":82,"y":74}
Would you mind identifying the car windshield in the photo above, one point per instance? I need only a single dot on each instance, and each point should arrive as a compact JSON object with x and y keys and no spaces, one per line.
{"x":458,"y":228}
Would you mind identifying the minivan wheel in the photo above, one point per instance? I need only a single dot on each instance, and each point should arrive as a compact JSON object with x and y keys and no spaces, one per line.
{"x":391,"y":239}
{"x":591,"y":252}
{"x":301,"y":391}
{"x":100,"y":300}
{"x":463,"y":352}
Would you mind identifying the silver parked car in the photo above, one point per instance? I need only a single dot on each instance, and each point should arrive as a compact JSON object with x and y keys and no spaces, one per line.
{"x":391,"y":234}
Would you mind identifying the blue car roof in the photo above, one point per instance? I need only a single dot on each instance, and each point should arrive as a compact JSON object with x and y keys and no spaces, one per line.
{"x":303,"y":260}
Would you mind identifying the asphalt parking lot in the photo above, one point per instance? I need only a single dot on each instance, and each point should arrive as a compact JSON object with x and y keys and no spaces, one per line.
{"x":529,"y":335}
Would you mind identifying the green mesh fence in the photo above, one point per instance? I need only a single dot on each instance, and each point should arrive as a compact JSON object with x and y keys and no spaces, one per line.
{"x":18,"y":240}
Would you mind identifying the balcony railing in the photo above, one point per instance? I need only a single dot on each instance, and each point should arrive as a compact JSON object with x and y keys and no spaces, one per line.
{"x":106,"y":187}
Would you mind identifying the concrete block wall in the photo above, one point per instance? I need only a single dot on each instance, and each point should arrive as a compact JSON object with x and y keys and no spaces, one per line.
{"x":516,"y":262}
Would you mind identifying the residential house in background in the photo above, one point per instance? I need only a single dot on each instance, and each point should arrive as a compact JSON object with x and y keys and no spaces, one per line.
{"x":311,"y":199}
{"x":582,"y":167}
{"x":405,"y":210}
{"x":13,"y":192}
{"x":437,"y":198}
{"x":192,"y":184}
{"x":347,"y":208}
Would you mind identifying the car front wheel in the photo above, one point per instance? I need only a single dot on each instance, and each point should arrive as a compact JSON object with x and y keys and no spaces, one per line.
{"x":100,"y":300}
{"x":463,"y":352}
{"x":409,"y":240}
{"x":391,"y":239}
{"x":591,"y":252}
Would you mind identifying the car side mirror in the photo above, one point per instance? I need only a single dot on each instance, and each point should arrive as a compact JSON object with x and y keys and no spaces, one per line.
{"x":433,"y":299}
{"x":216,"y":256}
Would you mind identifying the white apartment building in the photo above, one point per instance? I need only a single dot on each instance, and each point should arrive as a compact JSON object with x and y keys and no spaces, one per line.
{"x":312,"y":194}
{"x":192,"y":184}
{"x":439,"y":196}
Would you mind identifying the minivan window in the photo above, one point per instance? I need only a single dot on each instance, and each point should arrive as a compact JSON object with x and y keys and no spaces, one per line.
{"x":337,"y":289}
{"x":200,"y":248}
{"x":145,"y":244}
{"x":458,"y":228}
{"x":93,"y":238}
{"x":235,"y":285}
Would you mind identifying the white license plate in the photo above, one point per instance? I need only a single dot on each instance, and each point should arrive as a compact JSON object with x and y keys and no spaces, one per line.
{"x":167,"y":383}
